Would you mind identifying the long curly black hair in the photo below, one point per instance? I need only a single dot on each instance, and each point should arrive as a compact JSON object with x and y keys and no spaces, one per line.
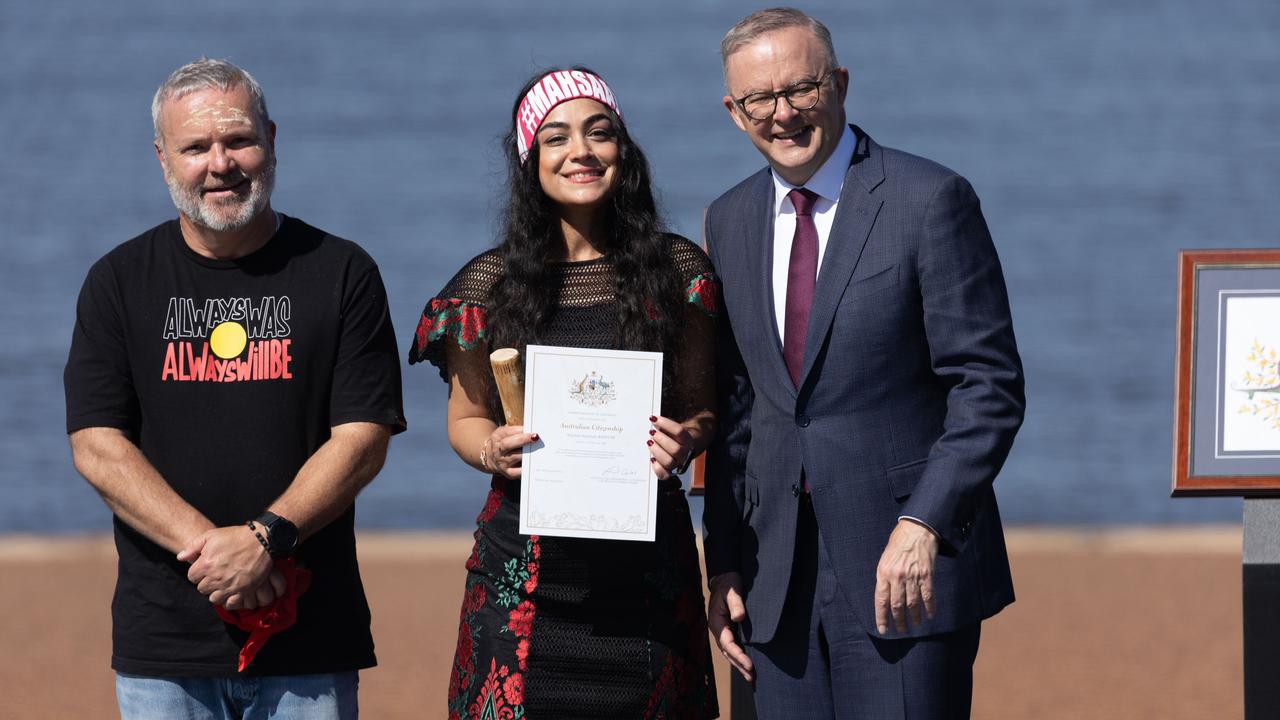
{"x":647,"y":282}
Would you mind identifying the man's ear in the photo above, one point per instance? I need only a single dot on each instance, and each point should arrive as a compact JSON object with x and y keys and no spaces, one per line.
{"x":842,"y":83}
{"x":732,"y":107}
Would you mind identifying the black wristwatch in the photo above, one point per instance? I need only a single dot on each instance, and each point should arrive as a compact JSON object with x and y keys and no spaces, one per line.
{"x":282,"y":535}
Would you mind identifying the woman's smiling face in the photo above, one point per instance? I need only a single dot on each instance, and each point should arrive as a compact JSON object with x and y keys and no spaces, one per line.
{"x":578,"y":154}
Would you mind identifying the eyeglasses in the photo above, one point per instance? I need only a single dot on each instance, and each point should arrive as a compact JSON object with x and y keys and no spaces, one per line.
{"x":801,"y":96}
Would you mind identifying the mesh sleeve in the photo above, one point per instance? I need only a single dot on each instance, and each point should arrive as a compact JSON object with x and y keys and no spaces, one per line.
{"x":457,"y":313}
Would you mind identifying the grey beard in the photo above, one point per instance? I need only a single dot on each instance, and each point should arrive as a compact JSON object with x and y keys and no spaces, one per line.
{"x":190,"y":205}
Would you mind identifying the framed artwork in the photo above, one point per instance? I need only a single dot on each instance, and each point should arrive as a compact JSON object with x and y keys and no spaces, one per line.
{"x":1227,"y":380}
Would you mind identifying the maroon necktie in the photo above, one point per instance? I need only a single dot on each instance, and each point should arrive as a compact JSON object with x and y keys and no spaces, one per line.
{"x":802,"y":274}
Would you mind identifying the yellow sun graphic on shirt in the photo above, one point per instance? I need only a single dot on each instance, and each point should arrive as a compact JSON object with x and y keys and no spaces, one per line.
{"x":228,"y":340}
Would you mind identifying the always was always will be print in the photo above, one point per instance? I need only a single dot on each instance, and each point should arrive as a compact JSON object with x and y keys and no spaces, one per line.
{"x":227,"y":339}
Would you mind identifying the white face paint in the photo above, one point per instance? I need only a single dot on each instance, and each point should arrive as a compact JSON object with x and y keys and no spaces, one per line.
{"x":219,"y":117}
{"x":219,"y":164}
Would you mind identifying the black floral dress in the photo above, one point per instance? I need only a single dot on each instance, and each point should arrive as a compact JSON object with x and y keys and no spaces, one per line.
{"x":556,"y":627}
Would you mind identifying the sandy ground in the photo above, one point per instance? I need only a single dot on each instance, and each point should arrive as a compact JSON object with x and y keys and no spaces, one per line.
{"x":1115,"y":624}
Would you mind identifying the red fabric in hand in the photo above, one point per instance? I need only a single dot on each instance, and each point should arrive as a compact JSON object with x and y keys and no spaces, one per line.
{"x":266,"y":621}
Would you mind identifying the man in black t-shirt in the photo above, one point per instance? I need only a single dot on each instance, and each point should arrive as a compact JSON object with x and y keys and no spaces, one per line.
{"x":233,"y":383}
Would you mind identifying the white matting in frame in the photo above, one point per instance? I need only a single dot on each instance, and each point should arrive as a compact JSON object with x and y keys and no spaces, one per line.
{"x":1249,"y":378}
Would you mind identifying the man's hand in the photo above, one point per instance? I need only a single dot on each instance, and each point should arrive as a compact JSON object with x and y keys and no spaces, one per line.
{"x":230,"y":566}
{"x":266,"y":593}
{"x":724,"y":611}
{"x":904,"y":577}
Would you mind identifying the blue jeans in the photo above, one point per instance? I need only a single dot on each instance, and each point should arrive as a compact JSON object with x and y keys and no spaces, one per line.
{"x":289,"y":697}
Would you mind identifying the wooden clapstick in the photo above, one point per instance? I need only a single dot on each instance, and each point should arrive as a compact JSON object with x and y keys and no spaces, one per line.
{"x":509,"y":377}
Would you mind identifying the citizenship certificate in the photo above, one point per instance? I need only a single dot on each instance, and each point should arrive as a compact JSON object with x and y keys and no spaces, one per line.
{"x":589,"y":475}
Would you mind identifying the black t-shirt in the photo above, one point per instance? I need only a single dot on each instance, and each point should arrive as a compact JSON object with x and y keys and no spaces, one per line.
{"x":228,"y":374}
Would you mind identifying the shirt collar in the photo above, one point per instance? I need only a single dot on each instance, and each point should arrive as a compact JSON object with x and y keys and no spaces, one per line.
{"x":829,"y":178}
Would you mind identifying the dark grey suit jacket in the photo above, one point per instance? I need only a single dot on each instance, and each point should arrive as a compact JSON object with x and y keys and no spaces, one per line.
{"x":910,"y":397}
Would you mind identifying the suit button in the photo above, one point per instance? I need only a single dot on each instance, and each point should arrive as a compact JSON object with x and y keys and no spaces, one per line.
{"x":802,"y":420}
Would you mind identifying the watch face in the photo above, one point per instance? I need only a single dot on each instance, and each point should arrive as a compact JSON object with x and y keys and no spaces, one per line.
{"x":282,"y":535}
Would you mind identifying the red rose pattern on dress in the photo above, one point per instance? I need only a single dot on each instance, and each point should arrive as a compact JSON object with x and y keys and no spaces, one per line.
{"x":467,"y":322}
{"x":501,"y":693}
{"x":704,"y":291}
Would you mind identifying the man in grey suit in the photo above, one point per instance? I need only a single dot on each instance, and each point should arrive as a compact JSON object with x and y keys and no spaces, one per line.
{"x":871,"y":390}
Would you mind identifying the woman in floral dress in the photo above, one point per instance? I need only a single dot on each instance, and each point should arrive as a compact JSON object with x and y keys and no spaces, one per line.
{"x":557,"y":627}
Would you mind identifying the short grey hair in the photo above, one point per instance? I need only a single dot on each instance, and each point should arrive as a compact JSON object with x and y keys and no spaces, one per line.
{"x":758,"y":23}
{"x":205,"y":74}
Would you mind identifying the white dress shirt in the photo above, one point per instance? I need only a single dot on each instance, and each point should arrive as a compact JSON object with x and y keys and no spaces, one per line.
{"x":826,"y":184}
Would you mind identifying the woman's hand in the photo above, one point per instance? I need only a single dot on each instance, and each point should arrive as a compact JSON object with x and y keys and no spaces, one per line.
{"x":671,"y":446}
{"x":501,"y":452}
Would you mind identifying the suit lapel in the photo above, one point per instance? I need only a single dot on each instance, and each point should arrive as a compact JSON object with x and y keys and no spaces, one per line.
{"x":855,"y":215}
{"x":759,"y":231}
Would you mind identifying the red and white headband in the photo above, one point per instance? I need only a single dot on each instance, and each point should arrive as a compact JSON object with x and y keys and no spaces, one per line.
{"x":553,"y":89}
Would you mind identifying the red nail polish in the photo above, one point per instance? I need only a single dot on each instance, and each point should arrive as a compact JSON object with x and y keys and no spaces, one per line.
{"x":535,"y":436}
{"x":648,"y":442}
{"x":653,"y":418}
{"x":653,"y":432}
